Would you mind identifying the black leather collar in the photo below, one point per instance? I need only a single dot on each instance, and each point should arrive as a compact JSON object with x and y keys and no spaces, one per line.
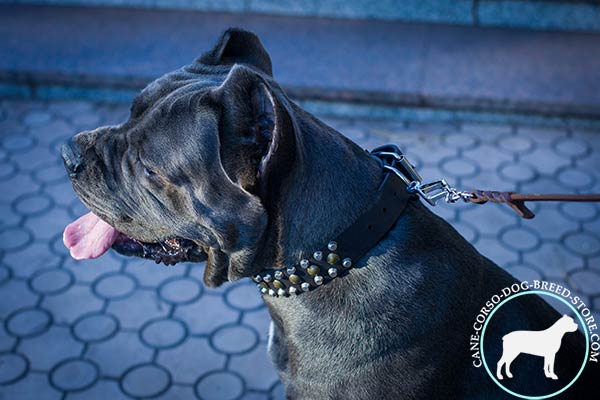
{"x":337,"y":257}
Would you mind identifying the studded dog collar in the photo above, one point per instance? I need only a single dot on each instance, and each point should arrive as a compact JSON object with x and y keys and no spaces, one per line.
{"x":338,"y":256}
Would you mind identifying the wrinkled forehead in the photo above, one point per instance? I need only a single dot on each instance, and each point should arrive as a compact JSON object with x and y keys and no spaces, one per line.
{"x":173,"y":114}
{"x":171,"y":86}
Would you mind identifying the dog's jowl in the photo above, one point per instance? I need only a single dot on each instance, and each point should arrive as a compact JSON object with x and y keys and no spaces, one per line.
{"x":216,"y":163}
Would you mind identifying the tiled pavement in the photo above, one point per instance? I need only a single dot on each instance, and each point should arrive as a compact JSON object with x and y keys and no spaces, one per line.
{"x":118,"y":328}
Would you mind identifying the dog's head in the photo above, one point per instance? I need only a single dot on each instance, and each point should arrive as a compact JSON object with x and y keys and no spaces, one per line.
{"x":188,"y":175}
{"x":567,"y":324}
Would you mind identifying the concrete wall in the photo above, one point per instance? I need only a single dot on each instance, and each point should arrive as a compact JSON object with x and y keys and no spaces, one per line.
{"x":531,"y":14}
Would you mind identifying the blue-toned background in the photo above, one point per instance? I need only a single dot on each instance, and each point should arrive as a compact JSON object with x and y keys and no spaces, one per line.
{"x":489,"y":94}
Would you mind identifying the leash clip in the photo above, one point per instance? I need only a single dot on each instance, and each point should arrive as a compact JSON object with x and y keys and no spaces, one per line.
{"x":432,"y":192}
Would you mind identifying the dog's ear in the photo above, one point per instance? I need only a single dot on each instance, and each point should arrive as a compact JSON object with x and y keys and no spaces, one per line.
{"x":257,"y":137}
{"x":237,"y":46}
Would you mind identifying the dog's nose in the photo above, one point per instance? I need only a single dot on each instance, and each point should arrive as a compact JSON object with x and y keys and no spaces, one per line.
{"x":71,"y":157}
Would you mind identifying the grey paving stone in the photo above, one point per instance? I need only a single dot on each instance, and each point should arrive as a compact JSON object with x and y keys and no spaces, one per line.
{"x":546,"y":160}
{"x":180,"y":290}
{"x":491,"y":248}
{"x":234,"y":339}
{"x":146,"y":380}
{"x":32,"y":204}
{"x":14,"y":366}
{"x":571,"y":147}
{"x":186,"y":369}
{"x":74,"y":375}
{"x":259,"y":320}
{"x":576,"y":178}
{"x":244,"y":297}
{"x":490,"y":219}
{"x":95,"y":327}
{"x":221,"y":385}
{"x":516,"y":173}
{"x":51,"y":281}
{"x":553,"y":259}
{"x":14,"y":238}
{"x":114,"y":286}
{"x":163,"y":333}
{"x":17,"y":143}
{"x":33,"y":386}
{"x":516,"y":144}
{"x":255,"y":368}
{"x":72,"y":303}
{"x":48,"y":225}
{"x":62,"y":193}
{"x":103,"y":389}
{"x":178,"y":392}
{"x":551,"y":224}
{"x":150,"y":274}
{"x":583,"y":243}
{"x":15,"y":295}
{"x":520,"y":238}
{"x":579,"y":211}
{"x":206,"y":314}
{"x":459,"y":167}
{"x":89,"y":270}
{"x":47,"y":350}
{"x":137,"y":308}
{"x":35,"y":257}
{"x":525,"y":272}
{"x":6,"y":341}
{"x":586,"y":281}
{"x":37,"y":117}
{"x":28,"y":322}
{"x":118,"y":353}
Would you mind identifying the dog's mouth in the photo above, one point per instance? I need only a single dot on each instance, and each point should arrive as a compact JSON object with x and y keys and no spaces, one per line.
{"x":90,"y":237}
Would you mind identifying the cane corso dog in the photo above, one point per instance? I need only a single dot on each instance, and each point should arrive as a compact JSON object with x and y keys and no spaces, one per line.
{"x":216,"y":163}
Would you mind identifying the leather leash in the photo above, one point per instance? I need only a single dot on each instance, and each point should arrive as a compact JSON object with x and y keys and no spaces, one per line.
{"x":433,"y":192}
{"x":516,"y":201}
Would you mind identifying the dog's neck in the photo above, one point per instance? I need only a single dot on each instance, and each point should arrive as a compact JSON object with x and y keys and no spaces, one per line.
{"x":332,"y":176}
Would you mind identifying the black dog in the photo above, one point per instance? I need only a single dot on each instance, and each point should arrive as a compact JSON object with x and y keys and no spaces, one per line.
{"x":217,"y":163}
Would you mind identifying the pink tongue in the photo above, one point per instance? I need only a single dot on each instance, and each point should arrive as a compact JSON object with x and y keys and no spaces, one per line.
{"x":89,"y":237}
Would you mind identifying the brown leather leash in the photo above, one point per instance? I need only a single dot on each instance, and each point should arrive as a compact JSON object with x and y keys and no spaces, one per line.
{"x":516,"y":201}
{"x":393,"y":160}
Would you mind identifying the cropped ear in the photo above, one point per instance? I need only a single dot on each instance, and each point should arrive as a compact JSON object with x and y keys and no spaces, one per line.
{"x":257,"y":137}
{"x":237,"y":46}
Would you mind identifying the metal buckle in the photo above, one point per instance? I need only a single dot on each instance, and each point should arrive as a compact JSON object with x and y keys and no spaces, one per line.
{"x":431,"y":192}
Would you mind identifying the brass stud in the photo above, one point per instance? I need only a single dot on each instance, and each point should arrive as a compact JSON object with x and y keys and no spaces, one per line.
{"x":291,"y":270}
{"x":304,"y":263}
{"x":295,"y":279}
{"x":267,"y":278}
{"x":257,"y":278}
{"x":332,"y":246}
{"x":313,"y":270}
{"x":319,"y":280}
{"x":333,"y":258}
{"x":305,"y":286}
{"x":278,"y":274}
{"x":292,"y":290}
{"x":347,"y":263}
{"x":332,"y":272}
{"x":318,"y":255}
{"x":277,"y":284}
{"x":281,"y":292}
{"x":263,"y":285}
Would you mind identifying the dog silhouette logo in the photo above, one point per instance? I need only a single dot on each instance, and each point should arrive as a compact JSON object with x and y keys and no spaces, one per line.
{"x":544,"y":343}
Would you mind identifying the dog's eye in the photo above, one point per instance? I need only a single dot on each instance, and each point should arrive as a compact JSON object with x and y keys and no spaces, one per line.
{"x":148,"y":172}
